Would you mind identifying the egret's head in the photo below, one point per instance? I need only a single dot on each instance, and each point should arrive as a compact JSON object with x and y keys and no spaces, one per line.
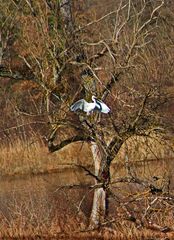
{"x":94,"y":97}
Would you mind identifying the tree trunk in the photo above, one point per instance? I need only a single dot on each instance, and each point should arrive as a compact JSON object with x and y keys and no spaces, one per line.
{"x":99,"y":200}
{"x":1,"y":49}
{"x":66,"y":7}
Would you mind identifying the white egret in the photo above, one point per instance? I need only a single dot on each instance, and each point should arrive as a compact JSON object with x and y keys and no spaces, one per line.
{"x":88,"y":107}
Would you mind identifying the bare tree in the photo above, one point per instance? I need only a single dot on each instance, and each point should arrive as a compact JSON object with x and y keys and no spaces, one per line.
{"x":122,"y":56}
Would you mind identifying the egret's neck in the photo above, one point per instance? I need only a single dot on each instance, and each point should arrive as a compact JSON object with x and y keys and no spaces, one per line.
{"x":93,"y":99}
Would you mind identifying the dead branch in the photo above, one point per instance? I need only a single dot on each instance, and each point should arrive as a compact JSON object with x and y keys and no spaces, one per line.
{"x":16,"y":75}
{"x":88,"y":172}
{"x":131,"y":179}
{"x":70,"y":186}
{"x":95,"y":21}
{"x":156,"y":227}
{"x":53,"y":148}
{"x":114,"y":79}
{"x":151,"y":17}
{"x":148,"y":207}
{"x":140,"y":112}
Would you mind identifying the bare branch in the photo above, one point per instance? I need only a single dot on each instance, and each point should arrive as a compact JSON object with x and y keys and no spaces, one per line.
{"x":151,"y":17}
{"x":140,"y":112}
{"x":132,"y":179}
{"x":95,"y":21}
{"x":16,"y":75}
{"x":109,"y":85}
{"x":88,"y":172}
{"x":53,"y":148}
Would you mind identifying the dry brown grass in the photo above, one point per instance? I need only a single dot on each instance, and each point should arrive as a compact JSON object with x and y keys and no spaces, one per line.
{"x":72,"y":231}
{"x":21,"y":158}
{"x":56,"y":217}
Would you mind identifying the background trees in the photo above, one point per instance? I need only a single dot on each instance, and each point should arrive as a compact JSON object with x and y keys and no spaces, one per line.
{"x":64,"y":50}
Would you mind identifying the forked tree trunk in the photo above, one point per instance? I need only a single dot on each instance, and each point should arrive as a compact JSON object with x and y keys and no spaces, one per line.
{"x":99,"y":200}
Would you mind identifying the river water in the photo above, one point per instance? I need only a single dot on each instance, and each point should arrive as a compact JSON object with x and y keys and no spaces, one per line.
{"x":44,"y":197}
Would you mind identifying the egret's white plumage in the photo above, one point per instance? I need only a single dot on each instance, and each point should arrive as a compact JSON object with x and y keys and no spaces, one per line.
{"x":88,"y":107}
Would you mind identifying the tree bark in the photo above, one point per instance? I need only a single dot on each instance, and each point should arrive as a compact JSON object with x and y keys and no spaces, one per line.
{"x":1,"y":49}
{"x":66,"y":7}
{"x":99,"y":200}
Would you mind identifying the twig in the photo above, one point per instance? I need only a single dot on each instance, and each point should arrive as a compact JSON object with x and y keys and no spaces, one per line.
{"x":89,"y":172}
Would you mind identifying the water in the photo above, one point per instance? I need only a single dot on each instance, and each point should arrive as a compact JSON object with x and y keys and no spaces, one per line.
{"x":43,"y":197}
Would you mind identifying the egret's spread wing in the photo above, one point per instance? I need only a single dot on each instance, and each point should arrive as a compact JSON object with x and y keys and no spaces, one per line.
{"x":79,"y":105}
{"x":97,"y":107}
{"x":101,"y":106}
{"x":99,"y":101}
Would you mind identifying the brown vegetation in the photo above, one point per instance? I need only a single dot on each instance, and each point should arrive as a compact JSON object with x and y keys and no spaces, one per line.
{"x":58,"y":205}
{"x":55,"y":52}
{"x":38,"y":208}
{"x":26,"y":158}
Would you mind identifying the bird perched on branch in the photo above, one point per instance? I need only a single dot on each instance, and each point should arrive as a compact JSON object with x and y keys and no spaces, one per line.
{"x":89,"y":107}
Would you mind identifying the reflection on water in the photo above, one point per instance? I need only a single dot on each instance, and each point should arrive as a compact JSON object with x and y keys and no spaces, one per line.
{"x":42,"y":197}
